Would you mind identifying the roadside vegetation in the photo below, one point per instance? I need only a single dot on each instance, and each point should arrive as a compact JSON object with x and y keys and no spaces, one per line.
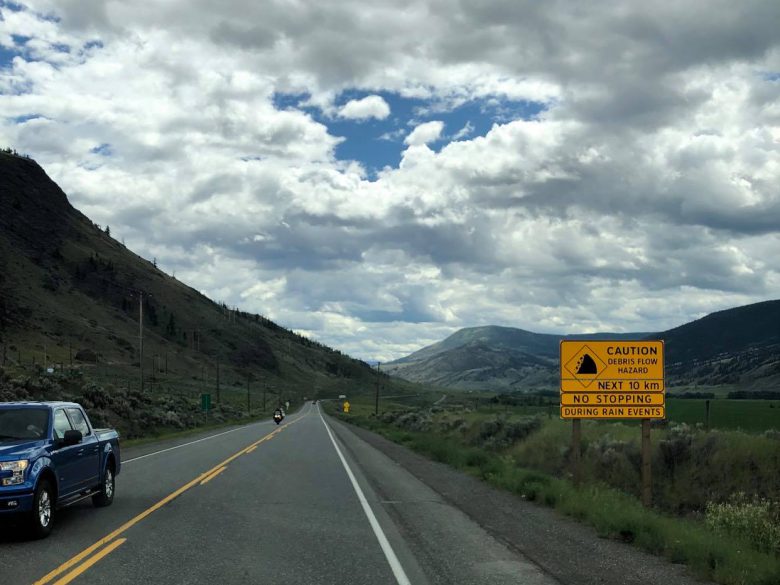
{"x":716,"y":492}
{"x":170,"y":403}
{"x":132,"y":412}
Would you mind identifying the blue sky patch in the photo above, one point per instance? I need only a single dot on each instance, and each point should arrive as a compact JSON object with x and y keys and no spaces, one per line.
{"x":26,"y":118}
{"x":7,"y":56}
{"x":103,"y":150}
{"x":379,"y":143}
{"x":12,"y":6}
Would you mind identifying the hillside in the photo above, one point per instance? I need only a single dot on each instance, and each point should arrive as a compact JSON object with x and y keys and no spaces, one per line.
{"x":69,"y":299}
{"x":738,"y":346}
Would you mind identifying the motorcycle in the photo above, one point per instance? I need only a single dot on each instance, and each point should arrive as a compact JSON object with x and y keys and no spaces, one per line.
{"x":278,"y":417}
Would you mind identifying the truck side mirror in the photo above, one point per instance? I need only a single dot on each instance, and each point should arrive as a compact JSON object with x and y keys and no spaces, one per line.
{"x":72,"y":438}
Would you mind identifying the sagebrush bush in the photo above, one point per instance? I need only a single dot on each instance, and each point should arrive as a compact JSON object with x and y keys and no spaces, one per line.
{"x":414,"y":421}
{"x":615,"y":462}
{"x":500,"y":432}
{"x":754,"y":519}
{"x":95,"y":396}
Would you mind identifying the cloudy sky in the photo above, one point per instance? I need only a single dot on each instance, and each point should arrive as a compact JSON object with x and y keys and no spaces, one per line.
{"x":378,"y":174}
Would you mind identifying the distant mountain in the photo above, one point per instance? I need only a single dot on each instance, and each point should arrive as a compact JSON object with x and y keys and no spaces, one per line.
{"x":738,"y":346}
{"x":69,"y":293}
{"x":490,"y":357}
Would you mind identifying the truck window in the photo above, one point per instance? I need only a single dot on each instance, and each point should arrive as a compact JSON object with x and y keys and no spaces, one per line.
{"x":18,"y":424}
{"x":79,"y":422}
{"x":61,"y":424}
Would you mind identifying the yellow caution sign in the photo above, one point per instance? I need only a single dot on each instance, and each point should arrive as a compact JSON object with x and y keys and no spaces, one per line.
{"x":346,"y":406}
{"x":612,"y":379}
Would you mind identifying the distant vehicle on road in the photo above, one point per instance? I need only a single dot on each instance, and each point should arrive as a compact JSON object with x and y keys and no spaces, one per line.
{"x":52,"y":457}
{"x":278,"y":415}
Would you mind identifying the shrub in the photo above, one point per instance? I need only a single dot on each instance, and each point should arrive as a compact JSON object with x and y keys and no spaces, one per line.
{"x":676,"y":448}
{"x":499,"y":433}
{"x":414,"y":421}
{"x":95,"y":395}
{"x":755,"y":519}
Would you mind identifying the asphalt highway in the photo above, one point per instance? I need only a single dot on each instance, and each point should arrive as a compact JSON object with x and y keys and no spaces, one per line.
{"x":306,"y":502}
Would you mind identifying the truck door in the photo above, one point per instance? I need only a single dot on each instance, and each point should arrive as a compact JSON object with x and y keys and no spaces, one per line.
{"x":88,"y":462}
{"x":65,"y":457}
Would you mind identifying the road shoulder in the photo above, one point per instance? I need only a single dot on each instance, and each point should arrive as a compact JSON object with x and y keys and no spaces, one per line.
{"x":570,"y":552}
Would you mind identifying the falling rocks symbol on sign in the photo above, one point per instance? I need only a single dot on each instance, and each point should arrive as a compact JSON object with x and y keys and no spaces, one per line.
{"x":586,"y":365}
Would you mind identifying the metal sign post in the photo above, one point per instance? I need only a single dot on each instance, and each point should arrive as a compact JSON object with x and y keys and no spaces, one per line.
{"x":576,"y":448}
{"x":647,"y":484}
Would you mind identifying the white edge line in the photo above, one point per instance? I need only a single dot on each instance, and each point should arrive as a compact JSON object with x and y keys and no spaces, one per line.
{"x":395,"y":565}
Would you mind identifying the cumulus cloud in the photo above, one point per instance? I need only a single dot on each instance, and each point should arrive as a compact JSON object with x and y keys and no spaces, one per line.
{"x":425,"y":133}
{"x":643,"y":195}
{"x":372,"y":106}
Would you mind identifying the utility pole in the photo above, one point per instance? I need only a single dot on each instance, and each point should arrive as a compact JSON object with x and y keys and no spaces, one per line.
{"x":376,"y":406}
{"x":218,"y":397}
{"x":141,"y":337}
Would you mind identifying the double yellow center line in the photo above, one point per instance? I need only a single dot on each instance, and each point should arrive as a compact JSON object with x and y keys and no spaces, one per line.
{"x":203,"y":478}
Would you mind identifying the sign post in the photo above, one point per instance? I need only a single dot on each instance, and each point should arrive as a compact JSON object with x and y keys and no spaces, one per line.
{"x":576,"y":447}
{"x":603,"y":379}
{"x":205,"y":402}
{"x":647,"y":484}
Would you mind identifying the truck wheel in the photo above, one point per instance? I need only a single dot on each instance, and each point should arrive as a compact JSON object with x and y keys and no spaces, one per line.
{"x":42,"y":514}
{"x":105,"y":496}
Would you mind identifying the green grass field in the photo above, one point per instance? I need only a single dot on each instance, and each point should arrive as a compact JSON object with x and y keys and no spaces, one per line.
{"x":751,"y":416}
{"x":747,"y":415}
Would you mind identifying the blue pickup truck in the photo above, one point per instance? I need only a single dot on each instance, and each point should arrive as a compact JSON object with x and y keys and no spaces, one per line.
{"x":51,"y":457}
